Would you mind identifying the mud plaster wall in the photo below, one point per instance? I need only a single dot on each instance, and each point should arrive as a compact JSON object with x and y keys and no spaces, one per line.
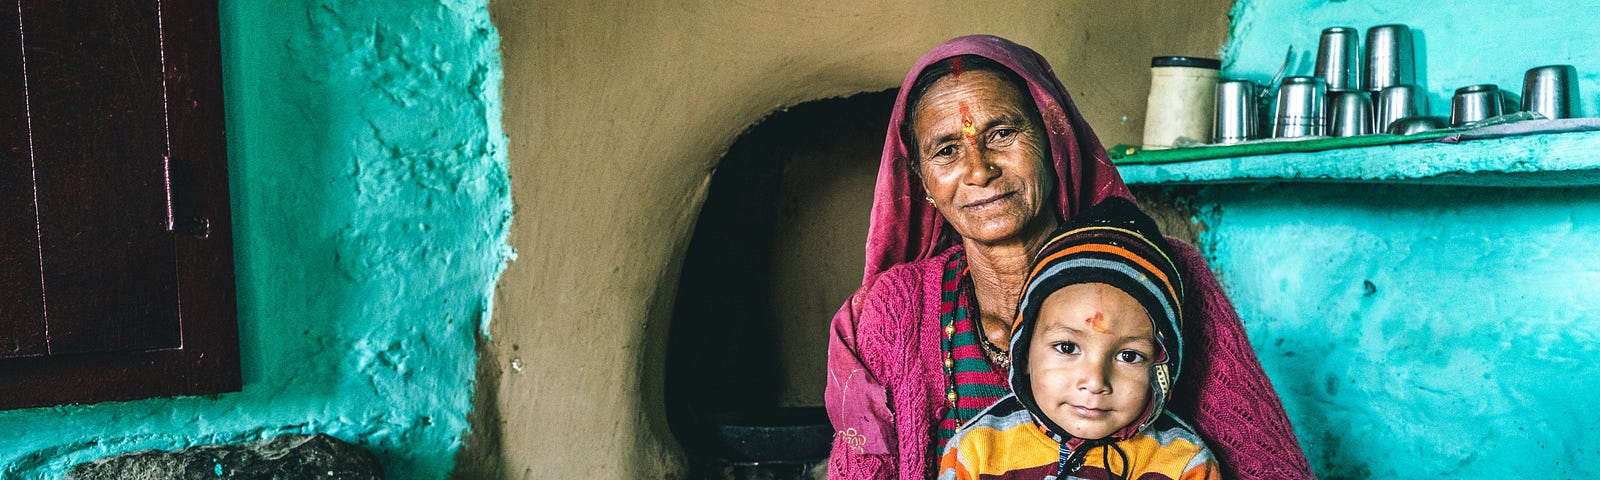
{"x":1423,"y":331}
{"x":617,"y":114}
{"x":370,"y":201}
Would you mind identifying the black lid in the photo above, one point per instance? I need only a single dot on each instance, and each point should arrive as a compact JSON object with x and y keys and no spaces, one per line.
{"x":1196,"y":62}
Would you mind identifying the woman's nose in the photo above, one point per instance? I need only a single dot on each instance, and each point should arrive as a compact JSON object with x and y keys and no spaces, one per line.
{"x":980,"y":169}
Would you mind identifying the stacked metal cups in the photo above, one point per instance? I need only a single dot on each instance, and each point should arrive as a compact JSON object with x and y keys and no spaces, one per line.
{"x":1349,"y":110}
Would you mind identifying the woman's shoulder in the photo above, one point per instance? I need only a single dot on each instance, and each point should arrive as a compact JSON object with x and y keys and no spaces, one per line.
{"x":907,"y":282}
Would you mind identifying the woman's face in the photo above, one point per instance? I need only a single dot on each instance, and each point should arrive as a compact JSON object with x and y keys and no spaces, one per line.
{"x":982,"y":157}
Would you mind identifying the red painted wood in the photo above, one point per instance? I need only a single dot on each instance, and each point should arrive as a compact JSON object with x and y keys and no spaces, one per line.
{"x":100,"y":141}
{"x":21,"y":298}
{"x":200,"y":190}
{"x":186,"y":276}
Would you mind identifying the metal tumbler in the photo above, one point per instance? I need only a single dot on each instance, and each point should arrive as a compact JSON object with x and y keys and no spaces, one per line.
{"x":1397,"y":102}
{"x":1236,"y":112}
{"x":1352,"y":114}
{"x":1298,"y":110}
{"x":1552,"y":90}
{"x":1338,"y":59}
{"x":1389,"y":60}
{"x":1474,"y":103}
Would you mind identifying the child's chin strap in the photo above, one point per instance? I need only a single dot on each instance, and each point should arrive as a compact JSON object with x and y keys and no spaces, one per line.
{"x":1070,"y":460}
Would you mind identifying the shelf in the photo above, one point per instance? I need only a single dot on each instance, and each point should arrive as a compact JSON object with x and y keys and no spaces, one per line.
{"x":1554,"y":160}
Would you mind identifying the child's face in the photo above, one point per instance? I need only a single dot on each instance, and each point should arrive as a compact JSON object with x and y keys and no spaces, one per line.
{"x":1090,"y":359}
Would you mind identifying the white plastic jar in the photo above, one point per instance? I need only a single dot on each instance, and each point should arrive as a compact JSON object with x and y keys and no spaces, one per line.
{"x":1182,"y":100}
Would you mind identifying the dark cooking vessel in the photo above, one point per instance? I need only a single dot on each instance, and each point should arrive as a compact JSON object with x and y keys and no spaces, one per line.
{"x":776,"y":434}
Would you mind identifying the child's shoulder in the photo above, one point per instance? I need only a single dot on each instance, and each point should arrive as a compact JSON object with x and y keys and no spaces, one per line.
{"x":1171,"y":445}
{"x":1169,"y":428}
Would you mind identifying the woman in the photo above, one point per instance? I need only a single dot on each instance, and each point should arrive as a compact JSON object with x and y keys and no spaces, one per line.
{"x":984,"y":157}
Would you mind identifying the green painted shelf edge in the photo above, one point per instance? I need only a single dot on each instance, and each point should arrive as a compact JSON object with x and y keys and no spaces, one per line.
{"x":1552,"y":160}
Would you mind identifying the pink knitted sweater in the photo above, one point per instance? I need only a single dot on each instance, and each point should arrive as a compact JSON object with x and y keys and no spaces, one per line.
{"x":896,"y":337}
{"x":885,"y":381}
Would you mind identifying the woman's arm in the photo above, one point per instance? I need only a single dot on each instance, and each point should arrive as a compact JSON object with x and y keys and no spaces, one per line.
{"x":858,"y":403}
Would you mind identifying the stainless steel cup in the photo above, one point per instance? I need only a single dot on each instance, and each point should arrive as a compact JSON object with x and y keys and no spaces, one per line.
{"x":1298,"y":110}
{"x":1552,"y":90}
{"x":1474,"y":103}
{"x":1389,"y":60}
{"x":1338,"y":59}
{"x":1352,"y":114}
{"x":1236,"y":112}
{"x":1397,"y":102}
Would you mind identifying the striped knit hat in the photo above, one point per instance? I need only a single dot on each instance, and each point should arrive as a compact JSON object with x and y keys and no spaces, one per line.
{"x":1116,"y":244}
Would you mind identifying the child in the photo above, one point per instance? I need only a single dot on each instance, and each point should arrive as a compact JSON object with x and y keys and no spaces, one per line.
{"x":1096,"y":350}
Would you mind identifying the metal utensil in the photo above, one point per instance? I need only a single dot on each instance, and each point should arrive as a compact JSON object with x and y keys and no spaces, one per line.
{"x":1419,"y":124}
{"x":1352,"y":114}
{"x":1473,"y":103}
{"x":1236,"y":112}
{"x":1338,"y":59}
{"x":1552,"y":91}
{"x":1298,"y":110}
{"x":1397,"y":102}
{"x":1389,"y":60}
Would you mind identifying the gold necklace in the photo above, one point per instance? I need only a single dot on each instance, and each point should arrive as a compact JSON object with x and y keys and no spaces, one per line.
{"x":1000,"y":357}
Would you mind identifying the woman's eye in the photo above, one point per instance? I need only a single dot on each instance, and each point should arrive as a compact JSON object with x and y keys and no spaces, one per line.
{"x":1003,"y":136}
{"x":1065,"y":348}
{"x":1130,"y":356}
{"x":943,"y":155}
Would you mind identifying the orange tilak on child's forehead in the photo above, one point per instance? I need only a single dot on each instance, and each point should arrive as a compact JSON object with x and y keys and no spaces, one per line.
{"x":1097,"y":322}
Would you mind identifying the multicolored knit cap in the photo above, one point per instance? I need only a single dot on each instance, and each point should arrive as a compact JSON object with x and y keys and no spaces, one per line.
{"x":1115,"y":244}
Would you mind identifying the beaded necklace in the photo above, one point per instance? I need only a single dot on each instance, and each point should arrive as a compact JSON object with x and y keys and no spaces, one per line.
{"x":974,"y":379}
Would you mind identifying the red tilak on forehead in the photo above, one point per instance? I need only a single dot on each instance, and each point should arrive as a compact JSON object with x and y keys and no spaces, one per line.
{"x":967,"y":130}
{"x":1097,"y":322}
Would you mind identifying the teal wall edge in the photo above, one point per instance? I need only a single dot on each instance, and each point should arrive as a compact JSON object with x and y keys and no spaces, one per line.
{"x":371,"y":204}
{"x":1422,"y":331}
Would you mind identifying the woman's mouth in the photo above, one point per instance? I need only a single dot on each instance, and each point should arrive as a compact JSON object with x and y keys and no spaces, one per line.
{"x":989,"y":201}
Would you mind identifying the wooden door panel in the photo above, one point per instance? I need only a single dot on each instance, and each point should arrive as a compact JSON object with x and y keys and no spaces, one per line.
{"x":21,"y":297}
{"x":94,"y":72}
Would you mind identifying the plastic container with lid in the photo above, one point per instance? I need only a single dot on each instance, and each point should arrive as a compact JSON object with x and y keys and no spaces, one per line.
{"x":1182,"y":101}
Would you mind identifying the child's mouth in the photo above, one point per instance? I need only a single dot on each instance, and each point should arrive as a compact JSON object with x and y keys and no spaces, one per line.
{"x":1087,"y":412}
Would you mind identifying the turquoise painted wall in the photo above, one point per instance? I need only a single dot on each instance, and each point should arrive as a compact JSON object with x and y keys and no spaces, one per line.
{"x":1459,"y":42}
{"x":371,"y":204}
{"x":1418,"y":330}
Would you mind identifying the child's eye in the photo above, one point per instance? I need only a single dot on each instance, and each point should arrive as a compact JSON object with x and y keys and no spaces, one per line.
{"x":1065,"y":348}
{"x":1130,"y":356}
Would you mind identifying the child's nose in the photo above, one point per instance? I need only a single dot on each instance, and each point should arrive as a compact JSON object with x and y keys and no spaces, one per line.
{"x":1095,"y":377}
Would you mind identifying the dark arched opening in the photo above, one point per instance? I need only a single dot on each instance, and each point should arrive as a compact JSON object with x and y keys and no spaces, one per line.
{"x":777,"y":249}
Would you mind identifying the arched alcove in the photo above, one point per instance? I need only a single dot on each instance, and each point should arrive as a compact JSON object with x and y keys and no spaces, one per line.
{"x":616,"y":119}
{"x":777,"y":248}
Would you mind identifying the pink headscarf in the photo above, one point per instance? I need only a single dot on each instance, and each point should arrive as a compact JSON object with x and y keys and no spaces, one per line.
{"x":905,"y":229}
{"x":1224,"y":391}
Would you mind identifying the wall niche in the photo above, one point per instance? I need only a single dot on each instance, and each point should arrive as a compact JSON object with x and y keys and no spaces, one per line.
{"x":777,"y":249}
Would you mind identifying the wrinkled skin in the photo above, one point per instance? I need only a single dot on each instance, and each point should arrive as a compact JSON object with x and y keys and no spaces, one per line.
{"x":982,"y":158}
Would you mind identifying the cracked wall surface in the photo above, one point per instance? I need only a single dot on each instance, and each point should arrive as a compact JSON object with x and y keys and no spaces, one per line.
{"x":1421,"y":331}
{"x":371,"y":204}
